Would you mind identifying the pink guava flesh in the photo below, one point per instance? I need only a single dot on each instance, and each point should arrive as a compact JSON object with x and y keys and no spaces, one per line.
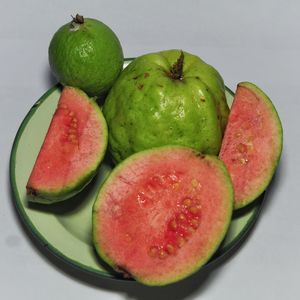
{"x":162,"y":214}
{"x":252,"y":143}
{"x":73,"y":146}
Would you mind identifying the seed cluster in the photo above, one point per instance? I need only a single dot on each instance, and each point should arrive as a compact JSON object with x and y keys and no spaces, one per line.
{"x":71,"y":134}
{"x":156,"y":182}
{"x":243,"y":150}
{"x":179,"y":229}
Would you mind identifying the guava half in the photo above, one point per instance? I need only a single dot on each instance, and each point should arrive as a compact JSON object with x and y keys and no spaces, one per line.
{"x":162,"y":213}
{"x":252,"y":143}
{"x":72,"y":150}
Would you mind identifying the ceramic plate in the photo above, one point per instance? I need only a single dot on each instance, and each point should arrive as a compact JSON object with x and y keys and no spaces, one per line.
{"x":65,"y":228}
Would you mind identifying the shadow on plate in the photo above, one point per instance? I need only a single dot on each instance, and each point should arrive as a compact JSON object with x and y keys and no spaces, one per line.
{"x":197,"y":283}
{"x":52,"y":81}
{"x":71,"y":205}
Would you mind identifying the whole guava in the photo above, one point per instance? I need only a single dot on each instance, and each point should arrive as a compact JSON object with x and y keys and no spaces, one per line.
{"x":86,"y":53}
{"x":166,"y":98}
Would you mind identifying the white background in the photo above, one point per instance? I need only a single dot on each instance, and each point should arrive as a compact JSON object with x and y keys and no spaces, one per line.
{"x":257,"y":41}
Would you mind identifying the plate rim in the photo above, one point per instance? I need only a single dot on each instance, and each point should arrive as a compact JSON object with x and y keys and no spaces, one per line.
{"x":17,"y":200}
{"x":226,"y":251}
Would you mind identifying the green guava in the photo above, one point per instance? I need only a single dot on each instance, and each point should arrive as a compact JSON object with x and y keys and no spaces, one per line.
{"x":169,"y":97}
{"x":87,"y":54}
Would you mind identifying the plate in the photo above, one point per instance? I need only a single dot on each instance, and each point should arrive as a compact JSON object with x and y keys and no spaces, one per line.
{"x":65,"y":228}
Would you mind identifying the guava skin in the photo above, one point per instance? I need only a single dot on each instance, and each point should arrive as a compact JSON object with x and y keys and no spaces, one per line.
{"x":147,"y":108}
{"x":88,"y":56}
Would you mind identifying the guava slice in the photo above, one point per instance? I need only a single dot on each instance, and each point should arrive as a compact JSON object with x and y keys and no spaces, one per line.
{"x":252,"y":143}
{"x":72,"y":150}
{"x":162,"y":213}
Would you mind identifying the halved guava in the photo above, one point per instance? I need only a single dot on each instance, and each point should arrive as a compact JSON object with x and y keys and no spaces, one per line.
{"x":252,"y":143}
{"x":162,"y":213}
{"x":72,"y":150}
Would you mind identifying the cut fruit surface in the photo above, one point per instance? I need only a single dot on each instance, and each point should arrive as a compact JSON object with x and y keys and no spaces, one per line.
{"x":72,"y":150}
{"x":252,"y":143}
{"x":162,"y":213}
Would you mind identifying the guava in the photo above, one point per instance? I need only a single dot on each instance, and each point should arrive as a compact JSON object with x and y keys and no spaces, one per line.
{"x":169,"y":97}
{"x":252,"y":143}
{"x":72,"y":151}
{"x":87,"y":54}
{"x":162,"y":213}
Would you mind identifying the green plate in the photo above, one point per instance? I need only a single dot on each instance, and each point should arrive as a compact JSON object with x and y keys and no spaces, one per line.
{"x":65,"y":228}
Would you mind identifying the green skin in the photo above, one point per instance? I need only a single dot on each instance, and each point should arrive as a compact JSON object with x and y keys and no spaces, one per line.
{"x":88,"y":56}
{"x":50,"y":196}
{"x":148,"y":108}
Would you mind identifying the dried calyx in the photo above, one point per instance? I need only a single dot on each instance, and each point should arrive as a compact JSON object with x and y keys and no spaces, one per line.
{"x":76,"y":21}
{"x":176,"y":70}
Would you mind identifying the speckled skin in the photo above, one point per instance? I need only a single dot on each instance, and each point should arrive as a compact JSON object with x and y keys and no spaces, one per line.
{"x":146,"y":108}
{"x":89,"y":58}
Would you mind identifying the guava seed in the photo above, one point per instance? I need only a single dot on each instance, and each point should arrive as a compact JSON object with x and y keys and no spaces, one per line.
{"x":180,"y":241}
{"x":187,"y":202}
{"x":194,"y":223}
{"x":195,"y":209}
{"x":181,"y":217}
{"x":170,"y":249}
{"x":162,"y":254}
{"x":153,"y":251}
{"x":173,"y":224}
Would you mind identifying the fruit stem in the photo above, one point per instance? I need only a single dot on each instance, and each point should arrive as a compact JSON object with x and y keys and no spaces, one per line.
{"x":78,"y":19}
{"x":76,"y":22}
{"x":176,"y":70}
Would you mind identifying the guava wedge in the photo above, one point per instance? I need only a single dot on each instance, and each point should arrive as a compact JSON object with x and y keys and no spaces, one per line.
{"x":162,"y":213}
{"x":252,"y":143}
{"x":72,"y":150}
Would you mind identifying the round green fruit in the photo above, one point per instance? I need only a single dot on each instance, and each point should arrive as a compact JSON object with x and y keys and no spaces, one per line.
{"x":85,"y":53}
{"x":166,"y":98}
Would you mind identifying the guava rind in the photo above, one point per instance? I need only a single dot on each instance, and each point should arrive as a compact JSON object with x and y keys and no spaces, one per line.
{"x":275,"y":146}
{"x":90,"y":58}
{"x":146,"y":108}
{"x":129,"y":164}
{"x":49,"y":195}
